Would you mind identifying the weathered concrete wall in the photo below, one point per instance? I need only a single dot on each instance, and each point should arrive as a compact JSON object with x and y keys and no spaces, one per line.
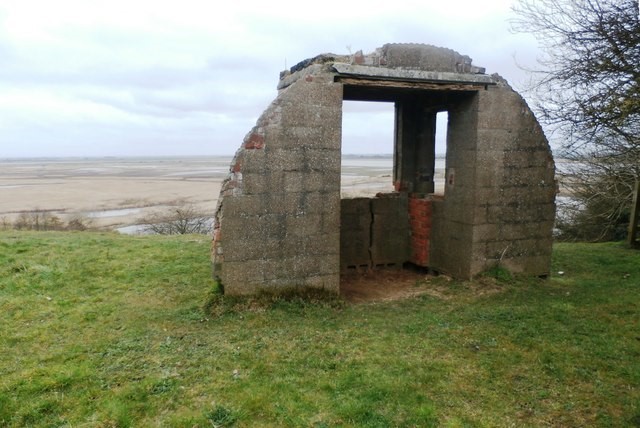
{"x":453,"y":218}
{"x":374,"y":232}
{"x":278,"y":219}
{"x":515,"y":205}
{"x":390,"y":230}
{"x":499,"y":194}
{"x":355,"y":236}
{"x":419,"y":56}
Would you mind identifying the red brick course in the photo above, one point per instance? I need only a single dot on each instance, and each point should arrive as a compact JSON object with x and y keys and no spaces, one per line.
{"x":255,"y":141}
{"x":420,"y":210}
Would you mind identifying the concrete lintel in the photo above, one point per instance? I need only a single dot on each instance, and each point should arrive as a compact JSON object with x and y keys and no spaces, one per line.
{"x":412,"y":75}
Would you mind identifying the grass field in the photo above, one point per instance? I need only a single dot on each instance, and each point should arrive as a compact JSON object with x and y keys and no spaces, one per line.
{"x":103,"y":330}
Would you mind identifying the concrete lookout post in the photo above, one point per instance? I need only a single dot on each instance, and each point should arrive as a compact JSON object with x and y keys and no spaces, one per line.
{"x":280,"y":221}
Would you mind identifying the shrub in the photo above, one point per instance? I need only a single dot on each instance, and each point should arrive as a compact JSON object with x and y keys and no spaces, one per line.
{"x":38,"y":220}
{"x":41,"y":220}
{"x":599,"y":209}
{"x":181,"y":220}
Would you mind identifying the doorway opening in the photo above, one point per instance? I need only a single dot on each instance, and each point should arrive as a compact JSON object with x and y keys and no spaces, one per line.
{"x":389,"y":171}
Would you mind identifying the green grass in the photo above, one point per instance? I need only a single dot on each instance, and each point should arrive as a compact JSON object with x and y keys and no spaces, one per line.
{"x":110,"y":331}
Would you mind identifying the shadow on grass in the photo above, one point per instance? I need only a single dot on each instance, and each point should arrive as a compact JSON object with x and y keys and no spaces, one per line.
{"x":293,"y":299}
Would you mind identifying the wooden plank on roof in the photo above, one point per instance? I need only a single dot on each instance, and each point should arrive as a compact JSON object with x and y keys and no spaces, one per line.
{"x":401,"y":84}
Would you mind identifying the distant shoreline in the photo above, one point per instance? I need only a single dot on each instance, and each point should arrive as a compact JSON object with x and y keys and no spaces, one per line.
{"x":168,"y":157}
{"x":109,"y":158}
{"x":117,"y":192}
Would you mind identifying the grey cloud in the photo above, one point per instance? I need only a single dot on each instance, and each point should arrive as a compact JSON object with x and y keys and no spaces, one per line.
{"x":155,"y":91}
{"x":183,"y":87}
{"x":179,"y":103}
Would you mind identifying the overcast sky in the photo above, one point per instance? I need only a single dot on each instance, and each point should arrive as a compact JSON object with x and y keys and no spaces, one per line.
{"x":137,"y":77}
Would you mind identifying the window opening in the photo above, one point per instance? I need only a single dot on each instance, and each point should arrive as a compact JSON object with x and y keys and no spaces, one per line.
{"x":442,"y":125}
{"x":367,"y":148}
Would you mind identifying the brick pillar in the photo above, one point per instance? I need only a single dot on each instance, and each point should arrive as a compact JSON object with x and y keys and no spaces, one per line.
{"x":420,"y":209}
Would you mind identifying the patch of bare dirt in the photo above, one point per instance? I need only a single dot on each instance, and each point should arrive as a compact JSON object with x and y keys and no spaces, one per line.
{"x":385,"y":285}
{"x":382,"y":285}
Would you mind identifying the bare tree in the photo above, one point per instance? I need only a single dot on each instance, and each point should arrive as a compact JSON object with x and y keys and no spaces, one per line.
{"x":5,"y":224}
{"x":38,"y":219}
{"x":180,"y":220}
{"x":587,"y":91}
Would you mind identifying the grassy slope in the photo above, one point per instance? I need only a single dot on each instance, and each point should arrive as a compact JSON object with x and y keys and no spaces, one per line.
{"x":108,"y":330}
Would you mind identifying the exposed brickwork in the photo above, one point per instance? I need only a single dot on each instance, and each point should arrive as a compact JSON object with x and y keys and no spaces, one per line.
{"x":254,"y":141}
{"x":420,"y":212}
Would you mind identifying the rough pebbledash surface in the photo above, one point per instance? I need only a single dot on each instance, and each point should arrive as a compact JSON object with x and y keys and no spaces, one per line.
{"x":280,"y":221}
